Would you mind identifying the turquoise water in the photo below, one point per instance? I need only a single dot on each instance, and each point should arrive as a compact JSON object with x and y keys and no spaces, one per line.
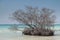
{"x":6,"y":33}
{"x":9,"y":25}
{"x":6,"y":26}
{"x":57,"y":26}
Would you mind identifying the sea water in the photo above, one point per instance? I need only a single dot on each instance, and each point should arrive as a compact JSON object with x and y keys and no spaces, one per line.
{"x":5,"y":27}
{"x":7,"y":34}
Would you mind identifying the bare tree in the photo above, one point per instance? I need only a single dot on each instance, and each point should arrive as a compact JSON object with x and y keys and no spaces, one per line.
{"x":28,"y":17}
{"x":35,"y":18}
{"x":47,"y":18}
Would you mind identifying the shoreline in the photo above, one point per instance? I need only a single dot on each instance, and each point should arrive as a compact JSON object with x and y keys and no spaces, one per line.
{"x":10,"y":35}
{"x":24,"y":37}
{"x":16,"y":36}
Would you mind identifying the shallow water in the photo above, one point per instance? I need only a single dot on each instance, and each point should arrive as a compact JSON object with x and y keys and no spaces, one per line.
{"x":6,"y":34}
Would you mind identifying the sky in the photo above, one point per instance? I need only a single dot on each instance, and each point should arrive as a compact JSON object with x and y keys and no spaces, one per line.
{"x":7,"y":7}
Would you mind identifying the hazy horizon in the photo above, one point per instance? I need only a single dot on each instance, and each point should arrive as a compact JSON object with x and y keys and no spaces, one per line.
{"x":7,"y":7}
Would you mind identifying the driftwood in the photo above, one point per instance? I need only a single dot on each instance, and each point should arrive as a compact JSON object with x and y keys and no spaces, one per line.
{"x":38,"y":32}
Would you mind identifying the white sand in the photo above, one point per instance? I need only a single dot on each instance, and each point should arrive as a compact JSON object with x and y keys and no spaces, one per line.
{"x":18,"y":36}
{"x":22,"y":37}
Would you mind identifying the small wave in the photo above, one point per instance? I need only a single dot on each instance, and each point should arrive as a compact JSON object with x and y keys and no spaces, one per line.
{"x":3,"y":31}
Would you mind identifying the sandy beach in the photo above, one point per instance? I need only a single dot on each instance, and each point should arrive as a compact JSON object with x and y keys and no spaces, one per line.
{"x":26,"y":37}
{"x":40,"y":38}
{"x":32,"y":38}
